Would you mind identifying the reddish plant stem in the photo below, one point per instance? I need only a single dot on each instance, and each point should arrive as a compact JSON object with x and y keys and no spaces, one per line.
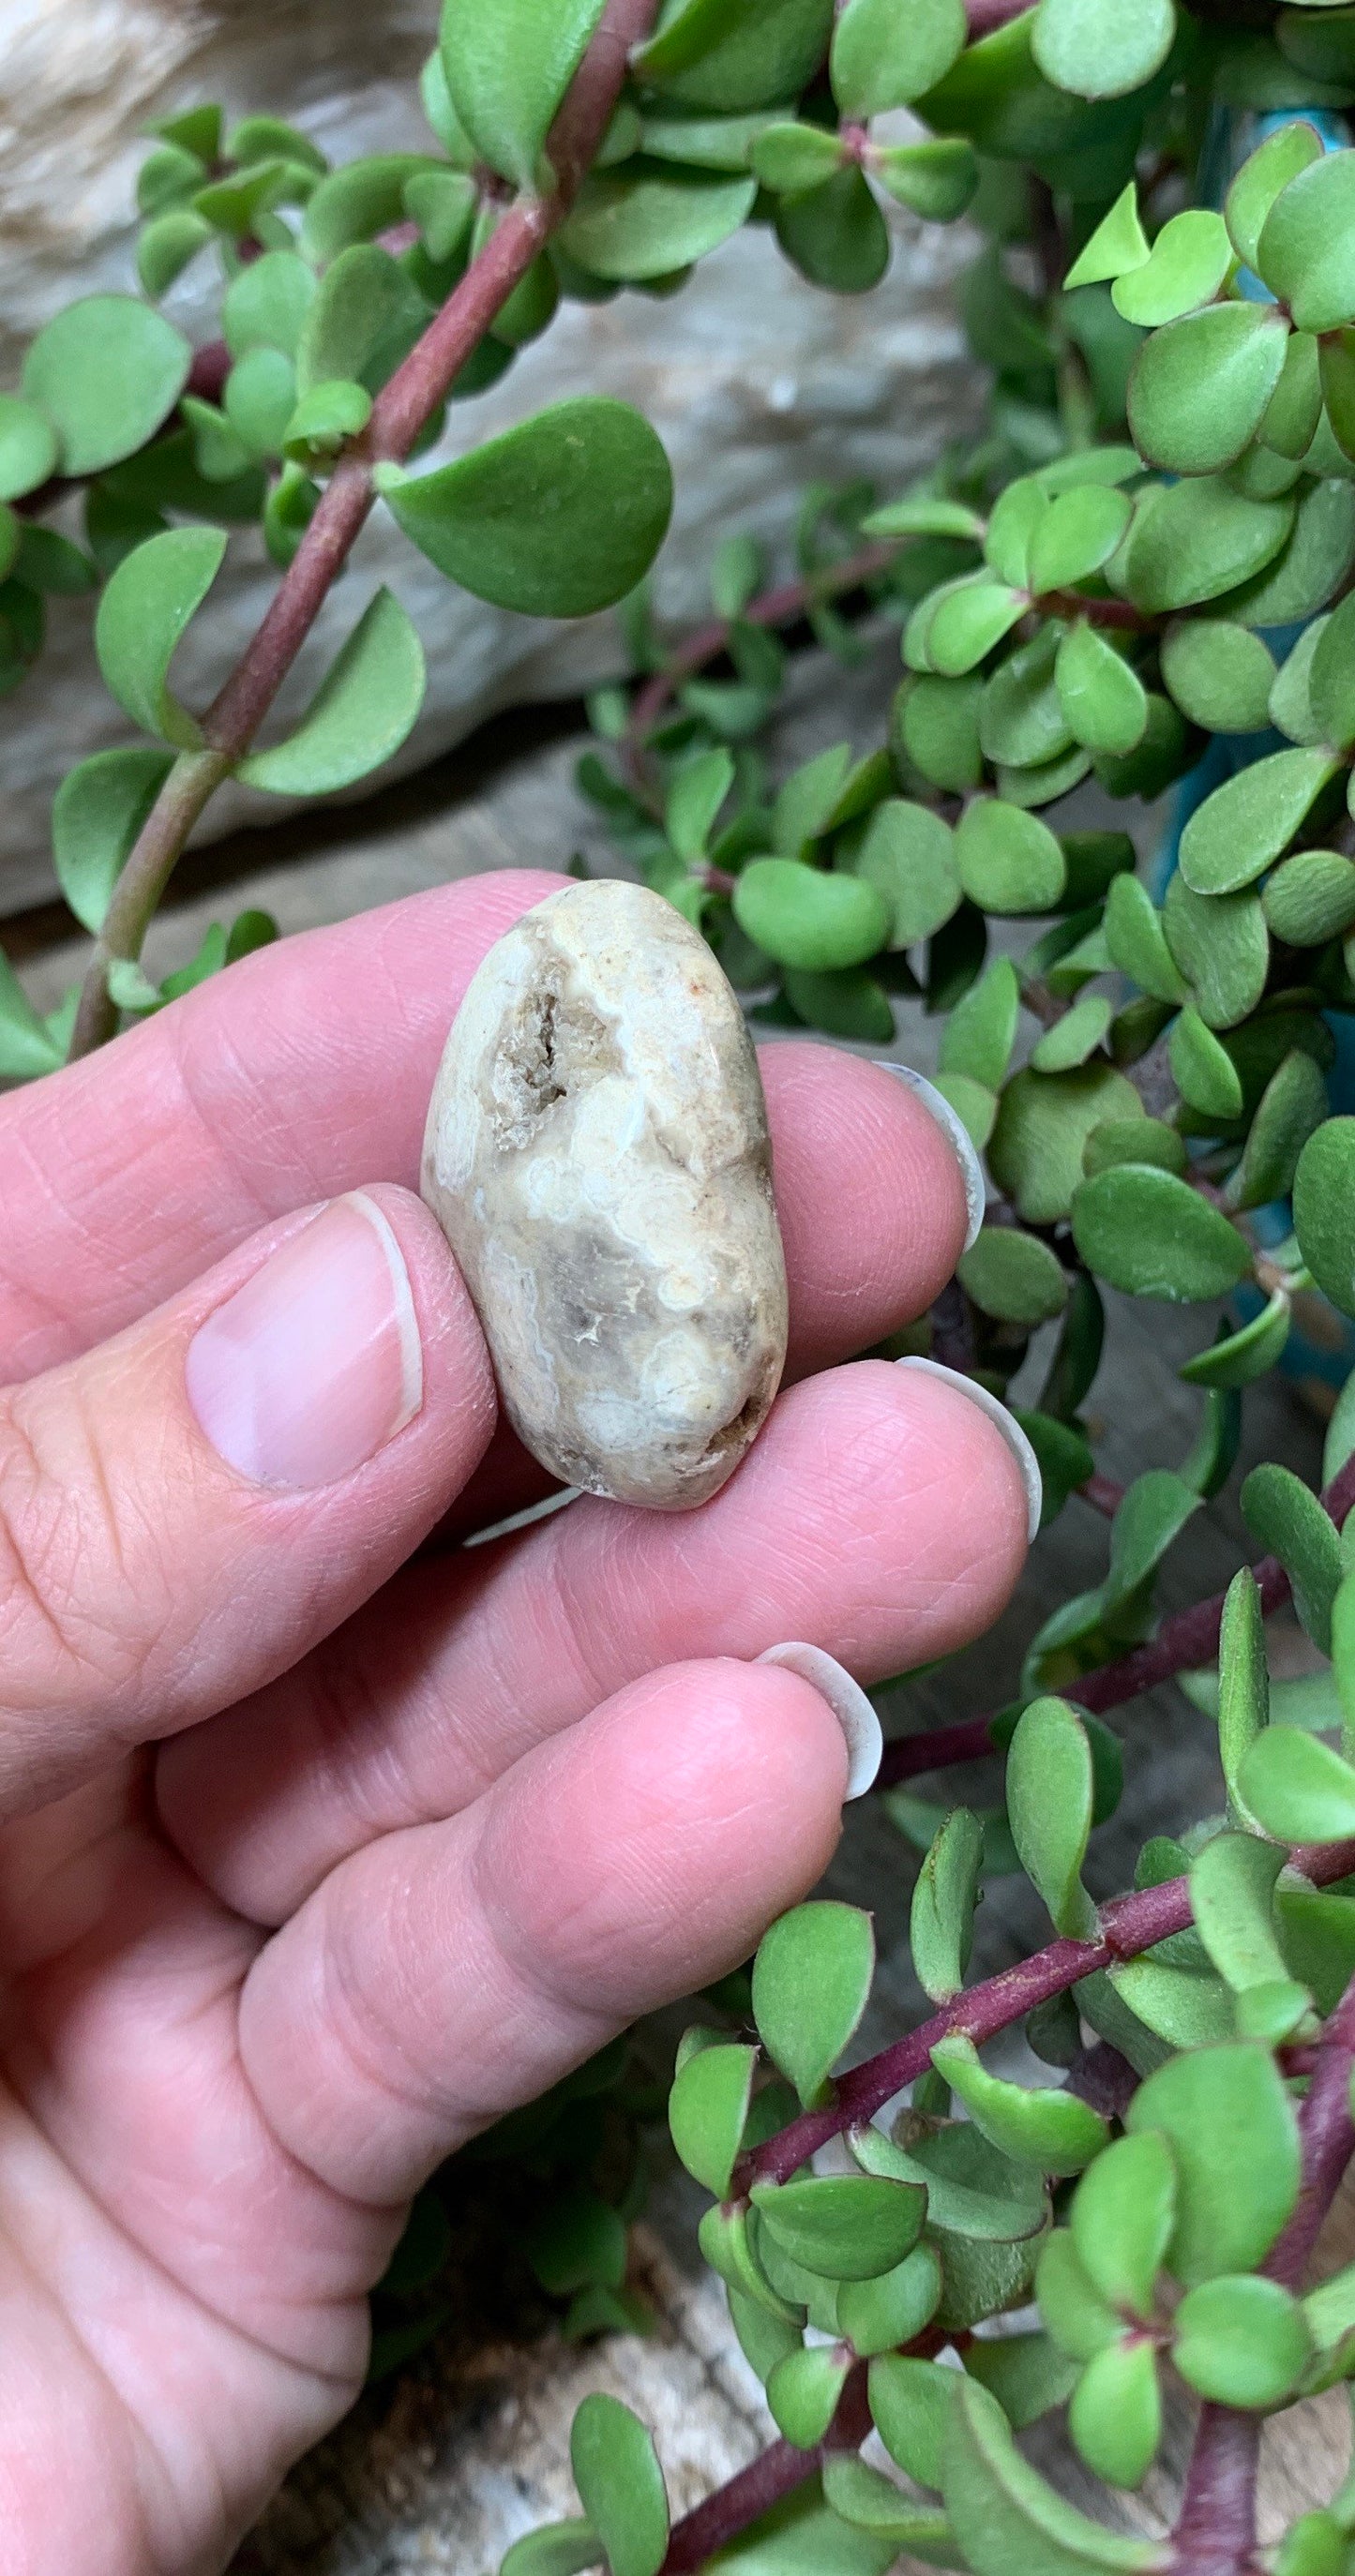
{"x":1328,"y":2135}
{"x":1215,"y":2533}
{"x":776,"y":2473}
{"x":1099,"y":612}
{"x":1191,"y":1638}
{"x":1128,"y":1925}
{"x":986,"y":16}
{"x":401,"y":409}
{"x":779,"y":607}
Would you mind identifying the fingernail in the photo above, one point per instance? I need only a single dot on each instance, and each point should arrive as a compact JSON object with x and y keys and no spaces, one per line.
{"x":316,"y":1362}
{"x":966,"y":1154}
{"x":849,"y":1704}
{"x":1006,"y":1423}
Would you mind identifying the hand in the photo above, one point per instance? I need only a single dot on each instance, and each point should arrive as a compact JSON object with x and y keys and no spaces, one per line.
{"x":314,"y":1859}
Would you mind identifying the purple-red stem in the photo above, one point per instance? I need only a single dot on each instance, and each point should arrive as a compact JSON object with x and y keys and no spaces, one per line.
{"x":779,"y":607}
{"x":400,"y":411}
{"x":1128,"y":1925}
{"x":1182,"y":1643}
{"x":775,"y":2473}
{"x":1215,"y":2533}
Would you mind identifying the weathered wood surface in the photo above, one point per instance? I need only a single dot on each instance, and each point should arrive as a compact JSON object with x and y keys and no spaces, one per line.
{"x":440,"y":2469}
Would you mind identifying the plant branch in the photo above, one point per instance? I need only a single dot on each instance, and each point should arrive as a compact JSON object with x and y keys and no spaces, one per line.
{"x":1328,"y":2135}
{"x":1215,"y":2533}
{"x":775,"y":2473}
{"x":779,"y":607}
{"x":400,"y":411}
{"x":1181,"y":1643}
{"x":1127,"y":1926}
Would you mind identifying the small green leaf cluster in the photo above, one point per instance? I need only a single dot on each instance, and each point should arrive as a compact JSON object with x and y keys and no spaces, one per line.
{"x":1144,"y":2213}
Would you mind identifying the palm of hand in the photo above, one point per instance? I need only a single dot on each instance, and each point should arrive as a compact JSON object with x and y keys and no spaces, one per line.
{"x":413,"y":1841}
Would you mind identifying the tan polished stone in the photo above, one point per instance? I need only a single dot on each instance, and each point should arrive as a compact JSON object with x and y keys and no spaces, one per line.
{"x":597,"y":1155}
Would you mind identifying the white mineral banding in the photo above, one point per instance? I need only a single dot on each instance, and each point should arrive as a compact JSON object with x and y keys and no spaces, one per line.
{"x":597,"y":1156}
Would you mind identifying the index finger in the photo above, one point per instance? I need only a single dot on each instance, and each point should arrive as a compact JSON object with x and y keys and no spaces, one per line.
{"x":305,"y":1071}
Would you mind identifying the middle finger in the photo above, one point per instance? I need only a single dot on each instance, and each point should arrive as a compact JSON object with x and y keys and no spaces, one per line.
{"x":880,"y":1515}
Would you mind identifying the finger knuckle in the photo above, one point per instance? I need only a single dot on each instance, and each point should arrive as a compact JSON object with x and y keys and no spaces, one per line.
{"x":83,"y":1590}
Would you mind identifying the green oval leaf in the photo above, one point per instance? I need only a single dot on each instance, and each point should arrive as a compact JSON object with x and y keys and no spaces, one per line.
{"x":1241,"y":2341}
{"x":1153,"y":1236}
{"x":1258,"y":183}
{"x":1115,"y":2417}
{"x":1006,"y":2516}
{"x":811,"y":1984}
{"x":1324,"y":1210}
{"x":28,"y":447}
{"x":944,"y":1897}
{"x":1233,"y":2136}
{"x":1198,"y":540}
{"x":1099,"y":48}
{"x":558,"y":517}
{"x":908,"y":856}
{"x":363,"y":710}
{"x":836,"y":234}
{"x":1039,"y":2125}
{"x":1311,"y":898}
{"x":1050,"y":1797}
{"x":1306,"y":250}
{"x":879,"y":60}
{"x":1014,"y":1276}
{"x":1242,"y":1357}
{"x":639,"y":226}
{"x":1122,"y":2216}
{"x":1288,"y":1521}
{"x":707,"y":2109}
{"x":97,"y":813}
{"x":267,"y":303}
{"x":1204,"y":1072}
{"x":1292,"y":1106}
{"x":1073,"y":1038}
{"x":1220,"y":675}
{"x":844,"y":2227}
{"x":1008,"y":861}
{"x":142,"y":615}
{"x":803,"y":2392}
{"x":355,"y":203}
{"x":758,"y":58}
{"x":1137,"y":942}
{"x":1102,"y":697}
{"x":805,"y":917}
{"x":558,"y":2549}
{"x":1297,"y":1787}
{"x":1221,"y":943}
{"x":1186,"y":267}
{"x":1037,"y":1145}
{"x":507,"y":70}
{"x":1201,"y":386}
{"x":1250,"y":820}
{"x":621,"y":2485}
{"x":106,"y":371}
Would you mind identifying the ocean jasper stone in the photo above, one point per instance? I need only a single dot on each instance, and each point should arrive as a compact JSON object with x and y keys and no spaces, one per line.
{"x":597,"y":1156}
